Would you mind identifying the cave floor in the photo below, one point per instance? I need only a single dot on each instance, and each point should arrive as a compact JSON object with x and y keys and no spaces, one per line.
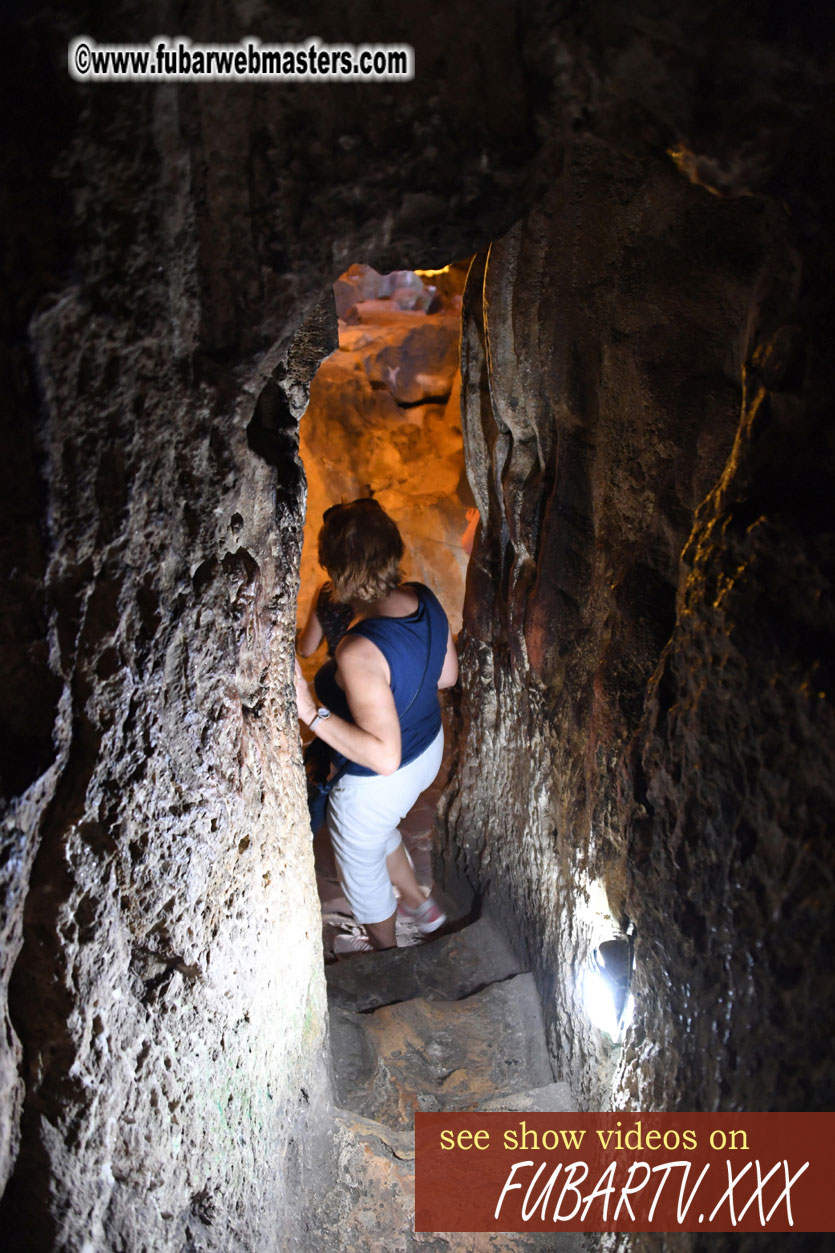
{"x":448,"y":1022}
{"x":451,"y":1024}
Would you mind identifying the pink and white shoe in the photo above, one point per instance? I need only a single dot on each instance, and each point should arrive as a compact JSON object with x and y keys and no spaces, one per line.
{"x":428,"y":917}
{"x":344,"y":944}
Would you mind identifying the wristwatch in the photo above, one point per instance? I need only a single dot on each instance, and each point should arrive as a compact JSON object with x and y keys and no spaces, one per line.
{"x":322,"y":713}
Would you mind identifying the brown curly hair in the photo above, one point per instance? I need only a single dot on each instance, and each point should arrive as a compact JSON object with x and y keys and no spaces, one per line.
{"x":361,"y":548}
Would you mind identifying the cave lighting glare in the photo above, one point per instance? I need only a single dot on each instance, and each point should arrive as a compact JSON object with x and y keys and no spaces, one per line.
{"x":599,"y":1001}
{"x":606,"y":986}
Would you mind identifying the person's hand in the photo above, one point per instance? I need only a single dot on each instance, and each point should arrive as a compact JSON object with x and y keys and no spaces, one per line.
{"x":304,"y":701}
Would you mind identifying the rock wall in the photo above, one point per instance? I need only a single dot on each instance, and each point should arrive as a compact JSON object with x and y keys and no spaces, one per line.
{"x":161,"y":1058}
{"x":166,"y":1003}
{"x":731,"y":776}
{"x":605,"y":342}
{"x":166,"y":1010}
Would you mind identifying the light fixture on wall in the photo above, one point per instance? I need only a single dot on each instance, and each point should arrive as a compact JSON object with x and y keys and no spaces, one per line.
{"x":607,"y":985}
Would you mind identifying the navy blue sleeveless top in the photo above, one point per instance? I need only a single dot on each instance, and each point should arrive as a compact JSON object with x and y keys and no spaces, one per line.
{"x":405,"y":643}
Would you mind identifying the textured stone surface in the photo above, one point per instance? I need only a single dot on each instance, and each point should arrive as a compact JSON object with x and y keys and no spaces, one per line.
{"x":434,"y":1055}
{"x":600,"y":408}
{"x":161,"y":1005}
{"x":161,"y":1058}
{"x":165,"y":245}
{"x":733,"y":768}
{"x":417,"y":363}
{"x":427,"y":1052}
{"x":384,"y":417}
{"x":398,"y":1059}
{"x":370,"y":1208}
{"x":446,"y":968}
{"x":553,"y":1098}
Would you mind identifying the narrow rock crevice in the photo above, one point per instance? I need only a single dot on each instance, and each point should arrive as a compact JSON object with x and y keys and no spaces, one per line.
{"x":643,"y":734}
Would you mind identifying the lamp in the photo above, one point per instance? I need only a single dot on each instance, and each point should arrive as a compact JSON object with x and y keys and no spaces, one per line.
{"x":606,"y":985}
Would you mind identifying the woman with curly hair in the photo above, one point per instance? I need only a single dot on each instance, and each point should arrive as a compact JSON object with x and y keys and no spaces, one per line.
{"x":377,"y":708}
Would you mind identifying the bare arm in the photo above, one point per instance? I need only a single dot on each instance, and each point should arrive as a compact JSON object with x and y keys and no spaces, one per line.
{"x":310,"y":636}
{"x":449,"y":673}
{"x":373,"y":738}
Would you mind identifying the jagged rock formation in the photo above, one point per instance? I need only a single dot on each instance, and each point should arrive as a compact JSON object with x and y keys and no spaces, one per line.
{"x":384,"y":415}
{"x":159,"y":924}
{"x":162,"y":1060}
{"x":591,"y":439}
{"x":164,"y":882}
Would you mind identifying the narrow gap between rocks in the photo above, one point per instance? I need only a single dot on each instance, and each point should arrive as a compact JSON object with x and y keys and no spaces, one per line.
{"x":450,"y":1021}
{"x":384,"y":420}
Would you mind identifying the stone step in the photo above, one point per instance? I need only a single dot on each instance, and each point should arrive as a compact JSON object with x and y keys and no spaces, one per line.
{"x":370,"y":1206}
{"x":440,"y":1055}
{"x":554,"y":1098}
{"x":446,"y":968}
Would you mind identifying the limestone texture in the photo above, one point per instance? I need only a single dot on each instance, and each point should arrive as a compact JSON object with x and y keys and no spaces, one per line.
{"x":450,"y":968}
{"x":163,"y":1077}
{"x":645,"y":723}
{"x":591,"y":438}
{"x":161,"y":994}
{"x":436,"y":1055}
{"x":646,"y":700}
{"x":384,"y":419}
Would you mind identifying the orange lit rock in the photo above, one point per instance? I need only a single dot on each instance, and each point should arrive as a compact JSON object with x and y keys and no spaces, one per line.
{"x":416,"y":362}
{"x":384,"y":416}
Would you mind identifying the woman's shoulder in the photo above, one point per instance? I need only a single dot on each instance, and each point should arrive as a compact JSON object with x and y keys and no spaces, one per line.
{"x":355,"y":643}
{"x":360,"y":656}
{"x":426,"y":596}
{"x":420,"y":590}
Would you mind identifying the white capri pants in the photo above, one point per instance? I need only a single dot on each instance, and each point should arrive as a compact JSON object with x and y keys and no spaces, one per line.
{"x":363,"y":813}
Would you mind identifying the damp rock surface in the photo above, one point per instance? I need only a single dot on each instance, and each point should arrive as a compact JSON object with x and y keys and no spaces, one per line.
{"x":438,"y":1045}
{"x":437,"y":1055}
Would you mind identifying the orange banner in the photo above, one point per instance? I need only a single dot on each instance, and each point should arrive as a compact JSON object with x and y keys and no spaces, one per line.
{"x":624,"y":1172}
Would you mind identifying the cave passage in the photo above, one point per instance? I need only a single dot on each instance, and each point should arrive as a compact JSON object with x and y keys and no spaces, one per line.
{"x":643,"y":734}
{"x":384,"y":420}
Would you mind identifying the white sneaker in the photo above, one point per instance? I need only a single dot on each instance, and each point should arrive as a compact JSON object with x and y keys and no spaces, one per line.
{"x":345,"y":944}
{"x":428,"y":917}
